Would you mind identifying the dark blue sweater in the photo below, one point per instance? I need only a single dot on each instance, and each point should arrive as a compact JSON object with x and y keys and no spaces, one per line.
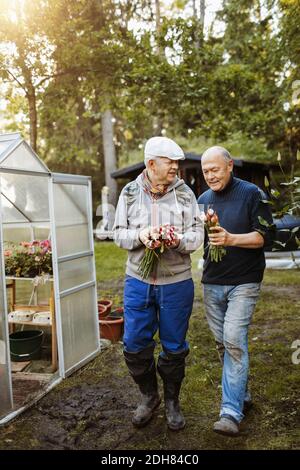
{"x":238,"y":206}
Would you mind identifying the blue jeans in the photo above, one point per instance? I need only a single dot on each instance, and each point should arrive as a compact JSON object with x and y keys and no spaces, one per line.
{"x":148,"y":308}
{"x":229,"y":311}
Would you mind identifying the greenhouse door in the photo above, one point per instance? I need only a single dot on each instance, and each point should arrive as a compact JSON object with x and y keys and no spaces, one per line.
{"x":6,"y":401}
{"x":74,"y":271}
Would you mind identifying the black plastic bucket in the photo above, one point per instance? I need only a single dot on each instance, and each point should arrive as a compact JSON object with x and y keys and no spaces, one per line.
{"x":26,"y":345}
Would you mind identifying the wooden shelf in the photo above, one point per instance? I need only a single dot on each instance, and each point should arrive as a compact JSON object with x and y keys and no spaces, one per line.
{"x":37,"y":308}
{"x":31,"y":323}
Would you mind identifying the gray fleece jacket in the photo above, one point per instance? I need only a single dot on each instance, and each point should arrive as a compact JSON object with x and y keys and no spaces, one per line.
{"x":136,"y":210}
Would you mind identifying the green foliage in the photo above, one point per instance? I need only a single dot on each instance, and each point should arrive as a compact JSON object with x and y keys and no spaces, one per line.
{"x":285,"y":200}
{"x":236,"y":88}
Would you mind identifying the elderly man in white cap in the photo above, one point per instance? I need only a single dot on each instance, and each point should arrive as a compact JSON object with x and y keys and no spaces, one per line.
{"x":163,"y":301}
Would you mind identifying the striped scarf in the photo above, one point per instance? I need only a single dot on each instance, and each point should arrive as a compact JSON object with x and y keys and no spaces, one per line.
{"x":156,"y":192}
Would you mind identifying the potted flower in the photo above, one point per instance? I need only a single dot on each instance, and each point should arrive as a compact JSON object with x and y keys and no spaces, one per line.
{"x":28,"y":259}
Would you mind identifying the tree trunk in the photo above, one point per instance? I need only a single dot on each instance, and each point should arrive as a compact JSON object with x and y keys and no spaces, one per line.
{"x":157,"y":120}
{"x":158,"y":25}
{"x":109,"y":154}
{"x":194,"y":9}
{"x":31,"y":98}
{"x":29,"y":87}
{"x":199,"y":23}
{"x":157,"y":15}
{"x":202,"y":15}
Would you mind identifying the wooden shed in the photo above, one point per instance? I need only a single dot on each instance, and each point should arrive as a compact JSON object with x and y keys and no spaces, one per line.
{"x":190,"y":171}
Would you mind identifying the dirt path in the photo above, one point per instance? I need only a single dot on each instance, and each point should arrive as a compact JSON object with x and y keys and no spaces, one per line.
{"x":85,"y":416}
{"x":291,"y":293}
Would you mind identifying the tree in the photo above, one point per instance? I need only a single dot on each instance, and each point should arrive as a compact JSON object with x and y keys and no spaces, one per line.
{"x":28,"y":65}
{"x":289,"y":42}
{"x":252,"y":97}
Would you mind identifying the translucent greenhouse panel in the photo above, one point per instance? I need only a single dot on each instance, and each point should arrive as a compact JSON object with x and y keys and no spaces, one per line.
{"x":6,"y":141}
{"x":5,"y":376}
{"x":42,"y":233}
{"x":71,"y":218}
{"x":78,"y":326}
{"x":4,"y":145}
{"x":9,"y":212}
{"x":75,"y":272}
{"x":72,"y":239}
{"x":22,"y":157}
{"x":5,"y":383}
{"x":75,"y":289}
{"x":78,"y":194}
{"x":16,"y":234}
{"x":26,"y":194}
{"x":71,"y":203}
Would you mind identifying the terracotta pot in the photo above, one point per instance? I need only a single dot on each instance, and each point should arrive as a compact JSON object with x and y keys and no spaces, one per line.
{"x":102,"y":311}
{"x":111,"y":328}
{"x":106,"y":303}
{"x":117,"y":312}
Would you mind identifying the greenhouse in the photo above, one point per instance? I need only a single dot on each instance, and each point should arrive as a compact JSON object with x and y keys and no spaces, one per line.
{"x":48,"y":279}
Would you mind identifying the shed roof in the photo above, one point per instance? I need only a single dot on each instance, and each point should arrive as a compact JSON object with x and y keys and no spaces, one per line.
{"x":189,"y":156}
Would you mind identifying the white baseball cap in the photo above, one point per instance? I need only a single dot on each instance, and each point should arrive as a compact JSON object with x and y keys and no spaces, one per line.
{"x":163,"y":147}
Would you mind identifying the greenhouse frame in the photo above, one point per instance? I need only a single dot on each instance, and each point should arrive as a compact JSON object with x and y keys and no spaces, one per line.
{"x":36,"y":203}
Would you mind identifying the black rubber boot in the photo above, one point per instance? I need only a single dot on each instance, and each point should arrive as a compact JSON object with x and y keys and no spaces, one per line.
{"x":143,"y":371}
{"x":150,"y":400}
{"x":171,"y":367}
{"x":175,"y":418}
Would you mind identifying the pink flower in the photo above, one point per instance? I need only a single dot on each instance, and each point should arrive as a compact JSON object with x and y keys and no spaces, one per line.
{"x":216,"y":252}
{"x":165,"y":235}
{"x":25,"y":244}
{"x":45,"y":244}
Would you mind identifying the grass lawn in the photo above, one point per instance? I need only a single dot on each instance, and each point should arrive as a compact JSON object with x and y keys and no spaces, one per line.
{"x":92,"y":408}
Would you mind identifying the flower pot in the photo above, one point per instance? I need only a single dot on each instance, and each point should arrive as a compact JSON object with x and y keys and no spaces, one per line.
{"x":106,"y":303}
{"x":111,"y":328}
{"x":102,"y":311}
{"x":117,"y":313}
{"x":26,"y":345}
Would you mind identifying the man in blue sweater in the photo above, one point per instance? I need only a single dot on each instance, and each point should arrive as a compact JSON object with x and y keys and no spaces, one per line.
{"x":232,"y":285}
